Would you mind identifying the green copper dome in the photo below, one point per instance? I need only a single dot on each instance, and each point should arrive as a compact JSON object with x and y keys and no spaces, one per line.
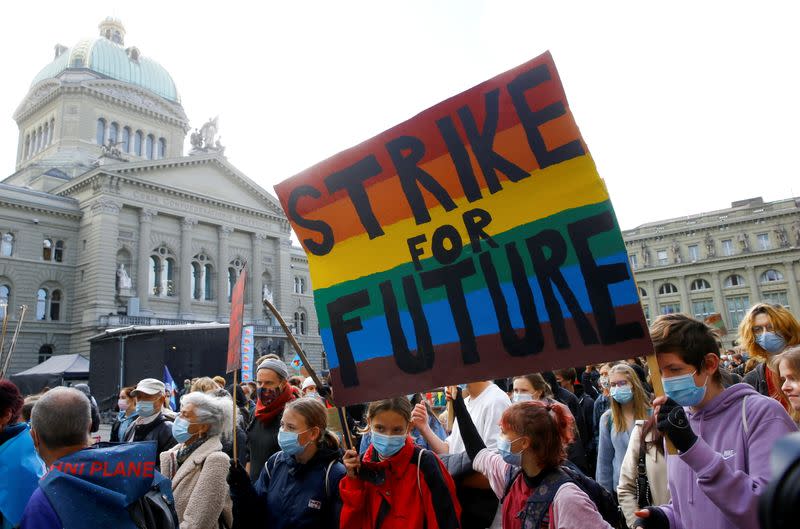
{"x":114,"y":61}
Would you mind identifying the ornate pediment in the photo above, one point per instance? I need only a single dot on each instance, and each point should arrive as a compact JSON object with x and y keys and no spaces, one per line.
{"x":36,"y":96}
{"x":140,"y":98}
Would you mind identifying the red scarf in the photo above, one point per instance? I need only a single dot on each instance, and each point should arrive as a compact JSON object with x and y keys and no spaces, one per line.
{"x":266,"y":413}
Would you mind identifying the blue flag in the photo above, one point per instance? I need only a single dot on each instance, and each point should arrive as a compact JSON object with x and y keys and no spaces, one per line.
{"x":170,"y":385}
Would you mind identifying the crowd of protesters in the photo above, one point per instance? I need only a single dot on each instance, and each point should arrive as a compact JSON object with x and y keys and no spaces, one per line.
{"x":589,"y":447}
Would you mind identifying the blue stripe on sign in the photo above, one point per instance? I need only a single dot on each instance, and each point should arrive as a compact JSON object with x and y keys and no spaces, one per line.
{"x":373,"y":340}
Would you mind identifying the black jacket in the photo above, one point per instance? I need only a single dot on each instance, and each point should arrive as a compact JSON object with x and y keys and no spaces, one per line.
{"x":160,"y":431}
{"x":262,"y":442}
{"x":758,"y":379}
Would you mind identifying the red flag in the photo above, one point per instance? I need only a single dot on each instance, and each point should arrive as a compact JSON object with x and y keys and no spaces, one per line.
{"x":235,"y":330}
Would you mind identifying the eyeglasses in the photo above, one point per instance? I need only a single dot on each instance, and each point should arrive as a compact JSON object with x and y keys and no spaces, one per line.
{"x":618,"y":384}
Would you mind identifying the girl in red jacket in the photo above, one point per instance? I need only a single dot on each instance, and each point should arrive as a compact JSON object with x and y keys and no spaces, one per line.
{"x":396,"y":485}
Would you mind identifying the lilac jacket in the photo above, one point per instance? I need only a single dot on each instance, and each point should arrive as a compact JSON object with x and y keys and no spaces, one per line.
{"x":716,"y":483}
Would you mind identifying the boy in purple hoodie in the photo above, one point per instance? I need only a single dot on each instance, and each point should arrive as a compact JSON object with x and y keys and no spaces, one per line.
{"x":723,"y":436}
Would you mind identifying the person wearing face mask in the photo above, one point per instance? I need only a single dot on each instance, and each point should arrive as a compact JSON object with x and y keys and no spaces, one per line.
{"x":396,"y":484}
{"x":20,"y":466}
{"x":528,"y":471}
{"x":197,"y":466}
{"x":629,"y":403}
{"x":298,"y":488}
{"x":723,"y":435}
{"x":151,"y":424}
{"x":274,"y":392}
{"x":127,"y":414}
{"x":765,"y":331}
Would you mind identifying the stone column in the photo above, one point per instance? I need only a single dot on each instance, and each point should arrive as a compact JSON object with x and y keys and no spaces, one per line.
{"x":719,"y":301}
{"x":185,"y":269}
{"x":143,"y":259}
{"x":755,"y":295}
{"x":683,"y":289}
{"x":223,"y":306}
{"x":256,"y":269}
{"x":101,"y":248}
{"x":652,"y":299}
{"x":791,"y":279}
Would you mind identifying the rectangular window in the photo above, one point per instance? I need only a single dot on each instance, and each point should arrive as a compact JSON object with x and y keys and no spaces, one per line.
{"x":727,"y":247}
{"x":634,"y":261}
{"x":737,"y":306}
{"x":763,"y":241}
{"x":701,"y":308}
{"x":670,"y":308}
{"x":662,"y":257}
{"x":776,"y":298}
{"x":694,"y":253}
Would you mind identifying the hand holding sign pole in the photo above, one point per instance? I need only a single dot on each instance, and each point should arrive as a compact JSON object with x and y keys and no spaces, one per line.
{"x":474,"y":241}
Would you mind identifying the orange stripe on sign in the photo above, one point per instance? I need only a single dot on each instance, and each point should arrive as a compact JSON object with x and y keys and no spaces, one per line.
{"x":388,"y":200}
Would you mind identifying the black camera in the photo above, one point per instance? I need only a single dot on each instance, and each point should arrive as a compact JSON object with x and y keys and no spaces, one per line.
{"x":778,"y":507}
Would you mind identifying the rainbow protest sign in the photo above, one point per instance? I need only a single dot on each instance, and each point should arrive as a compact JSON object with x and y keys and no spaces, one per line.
{"x":474,"y":241}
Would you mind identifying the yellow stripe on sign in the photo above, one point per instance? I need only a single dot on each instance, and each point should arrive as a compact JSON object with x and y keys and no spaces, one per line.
{"x":567,"y":185}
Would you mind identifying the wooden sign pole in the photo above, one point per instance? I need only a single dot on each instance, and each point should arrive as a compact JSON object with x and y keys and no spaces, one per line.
{"x":658,"y":388}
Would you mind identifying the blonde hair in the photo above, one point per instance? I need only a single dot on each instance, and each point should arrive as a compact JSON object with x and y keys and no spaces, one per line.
{"x":792,"y":357}
{"x":204,"y":384}
{"x":783,"y":322}
{"x":314,"y":413}
{"x":640,"y":401}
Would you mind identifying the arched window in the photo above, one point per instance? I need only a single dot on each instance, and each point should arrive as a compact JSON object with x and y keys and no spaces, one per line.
{"x":39,"y":139}
{"x":162,"y":272}
{"x":771,"y":276}
{"x":208,"y":276}
{"x":45,"y":352}
{"x":126,"y":139}
{"x":734,"y":280}
{"x":27,"y":147}
{"x":47,"y":249}
{"x":46,"y":135}
{"x":642,"y":292}
{"x":100,"y":137}
{"x":162,"y":148}
{"x":300,"y":322}
{"x":5,"y":299}
{"x":137,"y":143}
{"x":6,"y":244}
{"x":201,"y":277}
{"x":113,"y":132}
{"x":667,"y":288}
{"x":234,"y":269}
{"x":41,"y":304}
{"x":699,"y":284}
{"x":55,"y":305}
{"x":52,"y":129}
{"x":149,"y":147}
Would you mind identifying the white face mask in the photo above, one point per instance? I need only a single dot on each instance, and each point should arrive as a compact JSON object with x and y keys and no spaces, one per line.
{"x":522,"y":397}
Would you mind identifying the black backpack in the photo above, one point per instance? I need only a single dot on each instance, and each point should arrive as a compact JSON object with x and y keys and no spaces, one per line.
{"x":156,"y":509}
{"x":605,"y":503}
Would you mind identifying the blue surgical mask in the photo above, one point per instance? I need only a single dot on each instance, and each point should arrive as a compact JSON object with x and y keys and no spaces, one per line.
{"x":180,"y":430}
{"x":462,"y":386}
{"x":387,"y":445}
{"x":522,"y":397}
{"x":145,"y":408}
{"x":504,"y":449}
{"x":289,"y":442}
{"x":683,"y":390}
{"x":312,"y":394}
{"x":622,"y":394}
{"x":771,"y":342}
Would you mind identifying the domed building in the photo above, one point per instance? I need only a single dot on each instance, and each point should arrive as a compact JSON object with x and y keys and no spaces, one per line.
{"x":106,"y":223}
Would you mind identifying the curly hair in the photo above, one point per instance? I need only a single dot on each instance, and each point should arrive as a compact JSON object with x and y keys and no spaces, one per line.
{"x":10,"y":399}
{"x":549,"y":426}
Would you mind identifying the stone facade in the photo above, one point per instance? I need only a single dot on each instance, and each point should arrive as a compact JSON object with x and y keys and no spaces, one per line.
{"x":719,"y":262}
{"x":102,"y":233}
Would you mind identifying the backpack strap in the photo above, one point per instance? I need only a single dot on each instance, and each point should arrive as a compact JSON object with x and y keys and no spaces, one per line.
{"x":419,"y":469}
{"x":744,"y":416}
{"x":327,"y":474}
{"x":643,"y":495}
{"x":266,"y":465}
{"x":512,"y":473}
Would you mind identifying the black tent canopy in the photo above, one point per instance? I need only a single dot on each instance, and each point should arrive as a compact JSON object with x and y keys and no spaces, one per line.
{"x":54,"y":371}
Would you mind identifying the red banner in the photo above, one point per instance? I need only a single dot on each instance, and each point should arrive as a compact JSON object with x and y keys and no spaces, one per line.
{"x":237,"y":316}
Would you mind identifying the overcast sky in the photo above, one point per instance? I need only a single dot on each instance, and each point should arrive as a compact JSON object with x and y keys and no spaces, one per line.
{"x":685,"y":107}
